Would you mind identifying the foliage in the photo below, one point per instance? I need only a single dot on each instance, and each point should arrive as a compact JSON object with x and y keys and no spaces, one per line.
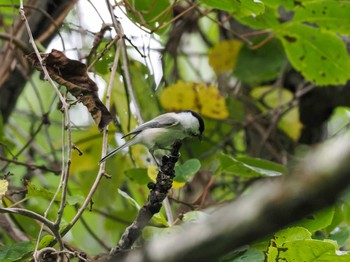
{"x":234,"y":62}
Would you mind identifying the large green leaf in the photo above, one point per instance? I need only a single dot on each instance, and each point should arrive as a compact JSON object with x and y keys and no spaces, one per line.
{"x":266,"y":20}
{"x":240,"y":8}
{"x":263,"y":165}
{"x":276,"y":3}
{"x":244,"y":254}
{"x":234,"y":166}
{"x":149,"y":13}
{"x":144,"y":86}
{"x":38,"y":191}
{"x":295,"y":244}
{"x":320,"y":56}
{"x":260,"y":65}
{"x":16,"y":251}
{"x":187,"y":170}
{"x":318,"y":221}
{"x":330,"y":15}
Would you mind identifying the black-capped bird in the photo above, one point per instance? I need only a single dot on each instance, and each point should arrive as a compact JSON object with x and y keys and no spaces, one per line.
{"x":163,"y":130}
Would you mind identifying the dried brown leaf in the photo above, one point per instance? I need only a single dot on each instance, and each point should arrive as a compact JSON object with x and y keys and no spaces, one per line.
{"x":73,"y":74}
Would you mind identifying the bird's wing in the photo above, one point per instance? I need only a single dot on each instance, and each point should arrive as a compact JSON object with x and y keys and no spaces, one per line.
{"x":165,"y":120}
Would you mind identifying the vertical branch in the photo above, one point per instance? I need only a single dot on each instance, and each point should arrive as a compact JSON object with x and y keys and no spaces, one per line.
{"x":101,"y":171}
{"x":66,"y":128}
{"x":125,"y":65}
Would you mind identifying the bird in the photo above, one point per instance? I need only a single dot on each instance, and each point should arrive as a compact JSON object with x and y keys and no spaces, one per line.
{"x":162,"y":131}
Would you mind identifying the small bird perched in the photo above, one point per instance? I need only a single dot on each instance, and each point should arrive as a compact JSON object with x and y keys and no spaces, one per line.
{"x":163,"y":130}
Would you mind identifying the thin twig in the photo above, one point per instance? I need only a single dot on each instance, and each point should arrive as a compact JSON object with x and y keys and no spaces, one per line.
{"x":30,"y":166}
{"x":125,"y":64}
{"x":31,"y":214}
{"x":101,"y":172}
{"x":19,"y":43}
{"x":64,"y":175}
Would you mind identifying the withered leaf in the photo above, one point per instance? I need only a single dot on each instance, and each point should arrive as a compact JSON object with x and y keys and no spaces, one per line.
{"x":73,"y":74}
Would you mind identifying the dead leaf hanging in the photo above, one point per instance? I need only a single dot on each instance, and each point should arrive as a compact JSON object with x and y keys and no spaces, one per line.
{"x":73,"y":74}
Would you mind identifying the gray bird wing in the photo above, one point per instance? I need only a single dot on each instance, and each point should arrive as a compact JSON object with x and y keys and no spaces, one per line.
{"x":165,"y":120}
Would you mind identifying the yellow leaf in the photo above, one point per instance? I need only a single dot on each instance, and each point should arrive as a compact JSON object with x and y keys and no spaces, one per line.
{"x":3,"y":187}
{"x":212,"y":103}
{"x":289,"y":122}
{"x":223,"y":56}
{"x":178,"y":184}
{"x":152,"y":172}
{"x":199,"y":97}
{"x":179,"y":96}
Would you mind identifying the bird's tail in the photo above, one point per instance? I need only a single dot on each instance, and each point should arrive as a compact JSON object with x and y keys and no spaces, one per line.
{"x":113,"y":152}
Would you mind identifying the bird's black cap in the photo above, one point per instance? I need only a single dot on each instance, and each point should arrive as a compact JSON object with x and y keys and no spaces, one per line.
{"x":200,"y":120}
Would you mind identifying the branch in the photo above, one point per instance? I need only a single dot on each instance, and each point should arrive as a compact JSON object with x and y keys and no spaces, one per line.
{"x":312,"y":185}
{"x":31,"y":214}
{"x":31,"y":166}
{"x":159,"y":191}
{"x":101,"y":172}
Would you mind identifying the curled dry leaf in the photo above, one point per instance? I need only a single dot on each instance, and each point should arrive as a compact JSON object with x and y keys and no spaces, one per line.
{"x":73,"y":74}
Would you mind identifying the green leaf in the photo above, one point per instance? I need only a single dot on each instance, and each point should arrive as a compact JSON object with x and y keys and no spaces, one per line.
{"x":288,"y":4}
{"x":318,"y":221}
{"x":129,"y":198}
{"x":187,"y":170}
{"x":16,"y":251}
{"x":272,"y":97}
{"x":231,"y":165}
{"x":150,"y":232}
{"x":321,"y":57}
{"x":295,"y":244}
{"x":73,"y":200}
{"x":291,"y":234}
{"x":144,"y":86}
{"x":149,"y":13}
{"x":37,"y":191}
{"x":138,"y":175}
{"x":45,"y":241}
{"x":247,"y":255}
{"x":339,"y":122}
{"x":194,"y":216}
{"x":266,"y":20}
{"x":160,"y":219}
{"x":311,"y":250}
{"x":5,"y":143}
{"x":120,"y":101}
{"x":263,"y":165}
{"x":330,"y":15}
{"x":260,"y":65}
{"x":240,"y":8}
{"x":104,"y":64}
{"x":341,"y":235}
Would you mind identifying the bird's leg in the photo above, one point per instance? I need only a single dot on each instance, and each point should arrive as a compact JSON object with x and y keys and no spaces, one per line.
{"x":151,"y":151}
